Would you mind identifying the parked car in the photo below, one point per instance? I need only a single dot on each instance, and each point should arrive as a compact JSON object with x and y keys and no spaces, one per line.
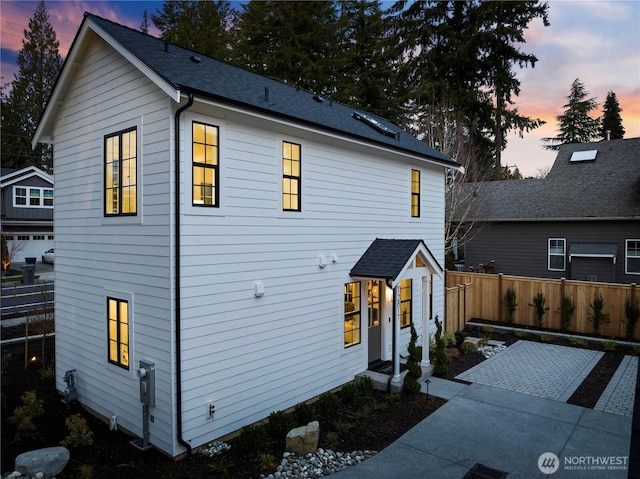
{"x":48,"y":256}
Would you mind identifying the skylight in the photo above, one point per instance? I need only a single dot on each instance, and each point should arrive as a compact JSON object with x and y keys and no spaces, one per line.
{"x":587,"y":155}
{"x":375,"y":124}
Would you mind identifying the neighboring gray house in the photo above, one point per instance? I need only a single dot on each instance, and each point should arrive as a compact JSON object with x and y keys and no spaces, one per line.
{"x":26,"y":206}
{"x":581,"y":222}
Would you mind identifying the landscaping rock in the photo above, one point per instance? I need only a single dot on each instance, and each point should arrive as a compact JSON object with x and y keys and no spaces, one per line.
{"x":50,"y":461}
{"x":304,"y":440}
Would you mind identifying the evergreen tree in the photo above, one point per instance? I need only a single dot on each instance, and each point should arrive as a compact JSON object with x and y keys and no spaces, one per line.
{"x":611,"y":121}
{"x":293,"y":41}
{"x":144,"y":26}
{"x":576,"y":126}
{"x":39,"y":64}
{"x":365,"y":70}
{"x":205,"y":27}
{"x":460,"y":55}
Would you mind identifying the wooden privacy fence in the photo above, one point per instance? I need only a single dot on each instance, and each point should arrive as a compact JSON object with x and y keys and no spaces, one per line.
{"x":477,"y":295}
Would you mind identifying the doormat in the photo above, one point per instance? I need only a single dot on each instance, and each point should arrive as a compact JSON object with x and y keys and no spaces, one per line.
{"x":480,"y":471}
{"x":384,"y":367}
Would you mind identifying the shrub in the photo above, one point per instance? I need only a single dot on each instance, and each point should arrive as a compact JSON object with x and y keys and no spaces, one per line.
{"x":449,"y":339}
{"x":79,"y":433}
{"x":328,"y":408}
{"x":487,"y":331}
{"x":539,"y":308}
{"x":221,"y":466}
{"x":609,"y":345}
{"x":411,"y":386}
{"x":47,"y":373}
{"x":520,"y":333}
{"x":303,"y":414}
{"x":460,"y":337}
{"x":547,"y":338}
{"x":278,"y":426}
{"x":252,"y":438}
{"x":578,"y":342}
{"x":349,"y":394}
{"x":268,"y":462}
{"x":441,"y":363}
{"x":24,"y":415}
{"x":469,"y":347}
{"x":510,"y":304}
{"x":598,"y":317}
{"x":453,"y":353}
{"x":632,"y":314}
{"x":365,"y":386}
{"x":86,"y":471}
{"x":332,"y":439}
{"x":566,"y":313}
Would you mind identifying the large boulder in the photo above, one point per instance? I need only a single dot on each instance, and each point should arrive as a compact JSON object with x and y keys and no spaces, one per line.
{"x":303,"y":440}
{"x":50,"y":461}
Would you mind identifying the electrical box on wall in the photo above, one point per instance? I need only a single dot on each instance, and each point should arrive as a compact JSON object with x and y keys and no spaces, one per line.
{"x":210,"y":409}
{"x":147,"y":375}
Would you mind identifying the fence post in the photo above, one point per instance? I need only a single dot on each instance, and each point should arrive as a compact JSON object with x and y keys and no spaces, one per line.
{"x":562,"y":294}
{"x":500,"y":297}
{"x":464,"y":312}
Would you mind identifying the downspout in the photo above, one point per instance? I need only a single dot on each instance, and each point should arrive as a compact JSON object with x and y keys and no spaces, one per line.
{"x":181,"y":440}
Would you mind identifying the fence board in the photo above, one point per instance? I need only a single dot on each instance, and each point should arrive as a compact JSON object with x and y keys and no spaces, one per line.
{"x":484,"y":293}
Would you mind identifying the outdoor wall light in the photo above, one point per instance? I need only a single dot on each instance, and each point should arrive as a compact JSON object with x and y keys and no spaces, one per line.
{"x":322,"y":261}
{"x":258,"y":289}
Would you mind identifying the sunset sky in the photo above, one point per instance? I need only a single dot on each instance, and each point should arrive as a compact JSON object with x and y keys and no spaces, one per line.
{"x":597,"y":42}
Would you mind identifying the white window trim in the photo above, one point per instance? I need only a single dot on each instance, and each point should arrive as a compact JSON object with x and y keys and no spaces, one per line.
{"x":27,"y":197}
{"x":564,"y":256}
{"x":626,"y":256}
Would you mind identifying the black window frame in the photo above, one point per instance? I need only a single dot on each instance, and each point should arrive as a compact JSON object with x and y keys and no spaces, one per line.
{"x":406,"y":302}
{"x":215,"y":167}
{"x":290,"y":177}
{"x":120,"y":187}
{"x":415,"y":194}
{"x":118,"y":340}
{"x":356,"y":313}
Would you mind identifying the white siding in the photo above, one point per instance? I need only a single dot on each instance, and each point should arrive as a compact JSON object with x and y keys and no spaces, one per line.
{"x":249,"y":355}
{"x":97,"y":256}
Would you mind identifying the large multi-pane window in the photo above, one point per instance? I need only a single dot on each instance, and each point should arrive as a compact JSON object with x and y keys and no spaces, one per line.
{"x":374,"y":303}
{"x":557,"y":250}
{"x":415,"y":193}
{"x":120,"y":173}
{"x":632,"y":256}
{"x":205,"y":165}
{"x":406,"y":286}
{"x":351,"y":314}
{"x":291,"y":176}
{"x":118,"y":331}
{"x":28,"y":196}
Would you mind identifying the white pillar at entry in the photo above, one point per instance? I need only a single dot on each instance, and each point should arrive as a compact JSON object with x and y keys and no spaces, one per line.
{"x":426,"y":288}
{"x":396,"y":335}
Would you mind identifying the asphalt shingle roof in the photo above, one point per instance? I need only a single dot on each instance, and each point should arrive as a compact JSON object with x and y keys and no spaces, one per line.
{"x":607,"y":187}
{"x":385,"y":258}
{"x":234,"y":85}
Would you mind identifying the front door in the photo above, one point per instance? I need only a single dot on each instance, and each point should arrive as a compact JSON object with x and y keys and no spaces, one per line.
{"x":373,"y":301}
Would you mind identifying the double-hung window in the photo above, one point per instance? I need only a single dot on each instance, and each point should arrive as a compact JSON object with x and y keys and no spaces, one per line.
{"x":415,"y":193}
{"x":120,"y":173}
{"x":351,"y":314}
{"x":632,"y":256}
{"x":28,"y":196}
{"x":406,"y":286}
{"x":205,"y":167}
{"x":557,"y":254}
{"x":118,"y":331}
{"x":291,"y":176}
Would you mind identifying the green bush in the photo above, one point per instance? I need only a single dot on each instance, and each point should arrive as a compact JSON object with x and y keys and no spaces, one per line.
{"x":278,"y":426}
{"x":469,"y":347}
{"x":460,"y":337}
{"x":252,"y":439}
{"x":539,"y":308}
{"x":566,"y":313}
{"x":510,"y":304}
{"x":578,"y":342}
{"x":79,"y":433}
{"x":328,"y":408}
{"x":410,"y":385}
{"x":365,"y":387}
{"x":597,"y":316}
{"x":221,"y":466}
{"x":303,"y":414}
{"x":632,"y":314}
{"x":23,"y":416}
{"x":441,"y":363}
{"x":609,"y":345}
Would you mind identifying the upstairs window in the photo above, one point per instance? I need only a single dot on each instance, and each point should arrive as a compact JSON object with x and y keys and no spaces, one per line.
{"x":406,"y":300}
{"x":415,"y":193}
{"x":120,"y":173}
{"x":291,"y":176}
{"x":205,"y":165}
{"x":118,"y":331}
{"x":557,"y":254}
{"x":32,"y":197}
{"x":632,"y":256}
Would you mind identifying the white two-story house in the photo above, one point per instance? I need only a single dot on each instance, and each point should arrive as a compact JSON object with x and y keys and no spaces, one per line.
{"x":256,"y":243}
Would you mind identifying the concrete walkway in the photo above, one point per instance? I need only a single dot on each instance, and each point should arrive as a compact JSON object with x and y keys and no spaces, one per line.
{"x":522,"y":427}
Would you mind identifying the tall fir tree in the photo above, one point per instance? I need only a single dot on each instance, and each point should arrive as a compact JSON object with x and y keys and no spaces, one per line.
{"x":293,"y":41}
{"x":461,"y":55}
{"x":39,"y":64}
{"x":611,"y":121}
{"x":575,"y":124}
{"x":206,"y":27}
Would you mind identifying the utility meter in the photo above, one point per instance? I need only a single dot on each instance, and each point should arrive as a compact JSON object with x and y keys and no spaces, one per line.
{"x":147,"y":374}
